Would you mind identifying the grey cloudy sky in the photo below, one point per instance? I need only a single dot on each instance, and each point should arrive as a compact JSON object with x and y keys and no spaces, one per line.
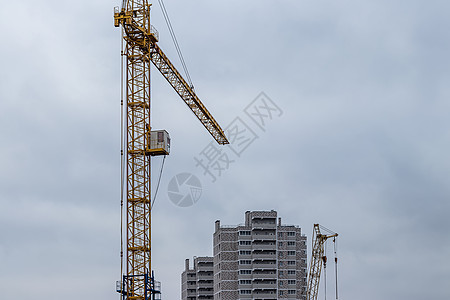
{"x":362,"y":146}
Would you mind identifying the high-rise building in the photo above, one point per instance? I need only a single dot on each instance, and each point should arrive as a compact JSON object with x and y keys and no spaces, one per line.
{"x":197,"y":283}
{"x":261,"y":259}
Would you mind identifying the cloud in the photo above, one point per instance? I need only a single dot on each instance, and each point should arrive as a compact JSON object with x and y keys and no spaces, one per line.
{"x":362,"y":145}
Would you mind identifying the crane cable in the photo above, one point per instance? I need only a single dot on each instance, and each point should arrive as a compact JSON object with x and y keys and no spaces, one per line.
{"x":159,"y":181}
{"x":175,"y":41}
{"x":336,"y":265}
{"x":324,"y":259}
{"x":122,"y":157}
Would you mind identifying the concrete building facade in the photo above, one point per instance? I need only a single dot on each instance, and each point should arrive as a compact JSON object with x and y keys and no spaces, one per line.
{"x":260,"y":259}
{"x":197,"y":282}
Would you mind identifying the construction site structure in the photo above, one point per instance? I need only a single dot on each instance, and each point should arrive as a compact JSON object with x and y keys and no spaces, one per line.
{"x":140,"y":143}
{"x":318,"y":258}
{"x":261,"y":259}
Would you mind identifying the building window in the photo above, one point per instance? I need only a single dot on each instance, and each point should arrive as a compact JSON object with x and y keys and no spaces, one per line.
{"x":291,"y":252}
{"x":280,"y":272}
{"x":280,"y":244}
{"x":281,"y":283}
{"x":245,"y":243}
{"x":245,"y":233}
{"x":291,"y":243}
{"x":291,"y":233}
{"x":245,"y":252}
{"x":245,"y":262}
{"x":245,"y":282}
{"x":291,"y":272}
{"x":245,"y":292}
{"x":280,"y":263}
{"x":291,"y":292}
{"x":291,"y":262}
{"x":280,"y":234}
{"x":245,"y":272}
{"x":291,"y":281}
{"x":281,"y":293}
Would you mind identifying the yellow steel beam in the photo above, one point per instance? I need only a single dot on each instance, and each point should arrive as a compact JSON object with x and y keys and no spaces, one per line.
{"x":140,"y":49}
{"x":168,"y":70}
{"x":315,"y":266}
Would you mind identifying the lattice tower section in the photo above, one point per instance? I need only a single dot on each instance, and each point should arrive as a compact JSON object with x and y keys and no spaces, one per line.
{"x":315,"y":267}
{"x":138,"y":231}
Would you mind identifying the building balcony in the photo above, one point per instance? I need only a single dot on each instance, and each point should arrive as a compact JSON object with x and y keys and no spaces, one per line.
{"x":207,"y":268}
{"x":270,"y":255}
{"x":264,"y":285}
{"x":264,"y":293}
{"x":205,"y":291}
{"x":259,"y":230}
{"x":205,"y":284}
{"x":262,"y":226}
{"x":264,"y":246}
{"x":206,"y":277}
{"x":264,"y":264}
{"x":264,"y":275}
{"x":264,"y":237}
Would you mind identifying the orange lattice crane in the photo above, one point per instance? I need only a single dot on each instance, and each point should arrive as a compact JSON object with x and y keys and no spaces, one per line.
{"x":140,"y":143}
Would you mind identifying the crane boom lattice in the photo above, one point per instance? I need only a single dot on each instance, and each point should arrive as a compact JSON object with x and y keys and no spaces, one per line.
{"x":317,"y":259}
{"x":163,"y":64}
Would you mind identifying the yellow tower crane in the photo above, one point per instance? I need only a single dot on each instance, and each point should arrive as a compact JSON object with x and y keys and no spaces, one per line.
{"x":318,"y":258}
{"x":140,"y":39}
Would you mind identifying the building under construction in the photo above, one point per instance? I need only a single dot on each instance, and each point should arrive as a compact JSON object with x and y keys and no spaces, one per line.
{"x":260,"y":259}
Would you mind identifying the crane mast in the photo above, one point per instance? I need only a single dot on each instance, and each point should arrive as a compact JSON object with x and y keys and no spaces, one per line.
{"x":317,"y":259}
{"x":140,"y":39}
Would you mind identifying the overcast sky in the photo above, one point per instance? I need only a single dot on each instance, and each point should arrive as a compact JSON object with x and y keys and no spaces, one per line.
{"x":359,"y":141}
